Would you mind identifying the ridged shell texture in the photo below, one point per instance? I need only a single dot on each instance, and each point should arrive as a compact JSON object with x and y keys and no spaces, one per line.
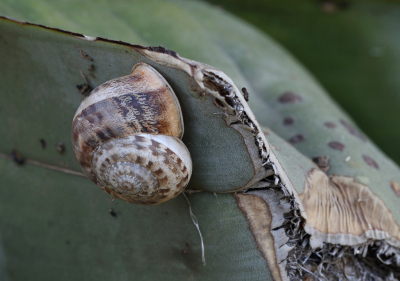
{"x":127,"y":134}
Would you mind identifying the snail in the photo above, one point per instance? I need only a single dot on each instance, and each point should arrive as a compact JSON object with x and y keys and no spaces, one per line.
{"x":126,"y":136}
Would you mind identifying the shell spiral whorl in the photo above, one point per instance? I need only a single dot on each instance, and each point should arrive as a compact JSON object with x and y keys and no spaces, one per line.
{"x":127,"y":137}
{"x":131,"y":179}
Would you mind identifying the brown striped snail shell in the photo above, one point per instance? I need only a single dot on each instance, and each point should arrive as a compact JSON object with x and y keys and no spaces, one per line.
{"x":126,"y":136}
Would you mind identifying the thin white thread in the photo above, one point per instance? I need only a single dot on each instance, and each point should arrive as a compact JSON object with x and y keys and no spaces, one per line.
{"x":196,"y":223}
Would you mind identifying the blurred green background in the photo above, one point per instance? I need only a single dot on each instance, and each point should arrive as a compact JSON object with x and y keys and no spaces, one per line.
{"x":351,"y":47}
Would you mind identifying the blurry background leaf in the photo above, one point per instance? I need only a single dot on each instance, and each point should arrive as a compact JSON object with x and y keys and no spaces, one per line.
{"x":351,"y":47}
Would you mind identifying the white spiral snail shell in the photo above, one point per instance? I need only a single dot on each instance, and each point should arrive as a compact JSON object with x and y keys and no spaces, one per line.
{"x":126,"y":136}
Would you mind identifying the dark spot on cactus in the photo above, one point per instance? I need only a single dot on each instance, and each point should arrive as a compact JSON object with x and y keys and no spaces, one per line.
{"x":60,"y":147}
{"x":330,"y":125}
{"x":245,"y":94}
{"x":297,"y":139}
{"x":353,"y":130}
{"x":17,"y":157}
{"x":336,"y":145}
{"x":288,"y":121}
{"x":84,"y":89}
{"x":42,"y":143}
{"x":112,"y":212}
{"x":289,"y":97}
{"x":85,"y":55}
{"x":395,"y":187}
{"x":322,"y":162}
{"x":371,"y":162}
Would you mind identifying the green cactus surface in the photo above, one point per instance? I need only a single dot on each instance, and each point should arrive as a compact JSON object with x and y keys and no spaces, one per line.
{"x":250,"y":199}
